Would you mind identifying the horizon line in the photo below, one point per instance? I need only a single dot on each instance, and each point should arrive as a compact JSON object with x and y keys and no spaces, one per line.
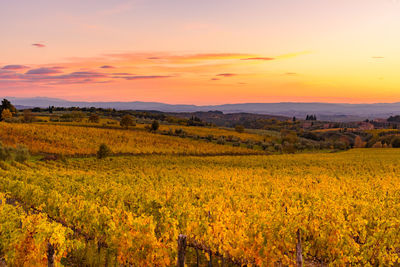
{"x":198,"y":105}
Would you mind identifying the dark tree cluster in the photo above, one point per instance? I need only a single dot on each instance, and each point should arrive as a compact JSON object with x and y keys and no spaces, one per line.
{"x":5,"y":104}
{"x":195,"y":121}
{"x":311,"y":117}
{"x":394,"y":118}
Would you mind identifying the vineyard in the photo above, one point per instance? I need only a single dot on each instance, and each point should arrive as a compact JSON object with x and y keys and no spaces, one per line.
{"x":217,"y":132}
{"x":130,"y":210}
{"x":75,"y":140}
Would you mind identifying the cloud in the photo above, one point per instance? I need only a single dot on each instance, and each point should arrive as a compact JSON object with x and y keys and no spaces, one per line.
{"x":226,"y":74}
{"x":41,"y":75}
{"x":258,"y":58}
{"x":14,"y":67}
{"x":107,"y":67}
{"x":378,"y":57}
{"x":43,"y":71}
{"x":215,"y":79}
{"x":122,"y":73}
{"x":39,"y":45}
{"x":173,"y":58}
{"x":140,"y":77}
{"x":82,"y":75}
{"x":290,"y":73}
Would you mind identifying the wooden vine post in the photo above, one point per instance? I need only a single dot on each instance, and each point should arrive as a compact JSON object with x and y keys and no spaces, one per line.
{"x":182,"y":243}
{"x":50,"y":255}
{"x":299,"y":250}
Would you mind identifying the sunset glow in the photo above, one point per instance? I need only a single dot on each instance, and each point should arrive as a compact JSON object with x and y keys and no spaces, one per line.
{"x":201,"y":52}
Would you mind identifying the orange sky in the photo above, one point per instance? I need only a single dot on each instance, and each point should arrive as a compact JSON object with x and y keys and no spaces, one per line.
{"x":202,"y":52}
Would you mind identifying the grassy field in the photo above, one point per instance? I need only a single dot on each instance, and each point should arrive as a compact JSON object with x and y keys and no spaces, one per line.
{"x":130,"y":210}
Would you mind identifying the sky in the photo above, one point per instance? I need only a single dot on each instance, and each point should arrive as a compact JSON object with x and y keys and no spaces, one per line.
{"x":201,"y":52}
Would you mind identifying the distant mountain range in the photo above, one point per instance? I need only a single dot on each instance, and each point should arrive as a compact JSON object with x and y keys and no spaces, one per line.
{"x":324,"y":111}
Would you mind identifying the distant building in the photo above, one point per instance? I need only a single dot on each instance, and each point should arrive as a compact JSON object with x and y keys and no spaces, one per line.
{"x":366,"y":126}
{"x":329,"y":125}
{"x":307,"y":125}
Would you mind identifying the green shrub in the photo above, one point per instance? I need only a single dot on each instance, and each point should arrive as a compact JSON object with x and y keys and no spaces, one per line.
{"x":221,"y":141}
{"x":288,"y":148}
{"x":103,"y":152}
{"x":5,"y":153}
{"x":239,"y":128}
{"x":21,"y":153}
{"x":396,"y":142}
{"x":155,"y":125}
{"x":127,"y":120}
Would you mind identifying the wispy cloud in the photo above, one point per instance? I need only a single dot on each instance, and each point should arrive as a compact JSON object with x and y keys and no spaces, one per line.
{"x":226,"y":74}
{"x":46,"y":75}
{"x":39,"y":45}
{"x":140,"y":66}
{"x":44,"y":71}
{"x":378,"y":57}
{"x":122,"y":73}
{"x":258,"y":58}
{"x":14,"y":67}
{"x":141,"y":77}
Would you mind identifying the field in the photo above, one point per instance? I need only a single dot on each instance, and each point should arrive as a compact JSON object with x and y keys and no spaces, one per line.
{"x":129,"y":210}
{"x":83,"y":140}
{"x":217,"y":132}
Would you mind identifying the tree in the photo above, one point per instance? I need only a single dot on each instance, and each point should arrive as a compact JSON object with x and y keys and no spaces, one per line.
{"x":126,"y":121}
{"x":154,"y":126}
{"x":5,"y":104}
{"x":94,"y":118}
{"x":288,"y":148}
{"x":358,"y":142}
{"x":28,"y":115}
{"x":289,"y":136}
{"x":377,"y":145}
{"x":239,"y":128}
{"x":6,"y":114}
{"x":103,"y":152}
{"x":311,"y":117}
{"x":396,"y":142}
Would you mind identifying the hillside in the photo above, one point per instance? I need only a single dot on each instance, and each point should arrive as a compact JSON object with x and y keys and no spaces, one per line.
{"x":325,"y":111}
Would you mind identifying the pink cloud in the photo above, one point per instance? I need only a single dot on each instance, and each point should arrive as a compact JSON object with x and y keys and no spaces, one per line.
{"x":123,"y":73}
{"x":39,"y":45}
{"x":43,"y":71}
{"x":14,"y":67}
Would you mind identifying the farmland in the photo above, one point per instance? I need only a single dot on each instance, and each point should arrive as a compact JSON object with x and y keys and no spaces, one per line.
{"x":130,"y":209}
{"x":81,"y":140}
